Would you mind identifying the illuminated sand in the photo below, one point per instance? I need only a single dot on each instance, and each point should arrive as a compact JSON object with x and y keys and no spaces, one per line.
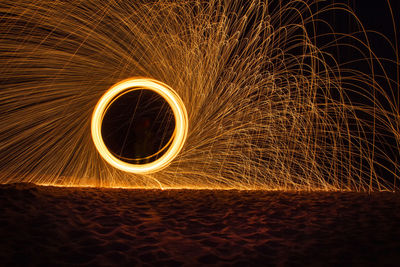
{"x":89,"y":226}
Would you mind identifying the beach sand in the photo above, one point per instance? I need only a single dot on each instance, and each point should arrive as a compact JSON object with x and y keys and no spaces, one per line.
{"x":57,"y":226}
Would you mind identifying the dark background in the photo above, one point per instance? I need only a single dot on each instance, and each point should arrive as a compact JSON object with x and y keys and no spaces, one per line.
{"x":378,"y":22}
{"x":137,"y":125}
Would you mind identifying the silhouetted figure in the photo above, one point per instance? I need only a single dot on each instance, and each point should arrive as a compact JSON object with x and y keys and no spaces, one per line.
{"x":144,"y":143}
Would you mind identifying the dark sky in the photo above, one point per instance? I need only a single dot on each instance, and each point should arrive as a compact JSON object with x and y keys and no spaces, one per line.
{"x":375,"y":16}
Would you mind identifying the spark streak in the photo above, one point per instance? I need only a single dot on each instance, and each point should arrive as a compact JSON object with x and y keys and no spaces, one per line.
{"x":270,"y":103}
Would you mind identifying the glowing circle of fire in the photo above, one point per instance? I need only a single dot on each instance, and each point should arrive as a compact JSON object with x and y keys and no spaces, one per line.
{"x":178,"y":137}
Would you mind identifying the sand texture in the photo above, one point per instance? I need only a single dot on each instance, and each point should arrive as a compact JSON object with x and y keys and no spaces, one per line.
{"x":115,"y":227}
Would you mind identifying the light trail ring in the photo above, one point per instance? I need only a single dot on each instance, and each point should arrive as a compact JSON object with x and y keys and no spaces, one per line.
{"x":178,"y":109}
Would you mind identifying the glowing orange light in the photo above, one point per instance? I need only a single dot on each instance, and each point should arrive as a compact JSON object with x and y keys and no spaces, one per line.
{"x":178,"y":109}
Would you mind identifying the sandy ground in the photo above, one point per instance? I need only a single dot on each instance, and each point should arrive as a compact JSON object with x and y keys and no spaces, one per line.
{"x":115,"y":227}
